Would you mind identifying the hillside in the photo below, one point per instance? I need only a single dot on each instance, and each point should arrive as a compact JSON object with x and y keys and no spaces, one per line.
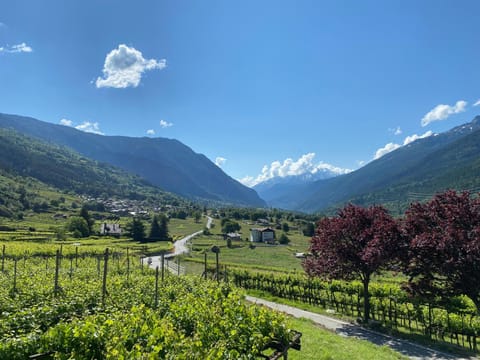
{"x":276,"y":189}
{"x":166,"y":163}
{"x":412,"y":172}
{"x":30,"y":169}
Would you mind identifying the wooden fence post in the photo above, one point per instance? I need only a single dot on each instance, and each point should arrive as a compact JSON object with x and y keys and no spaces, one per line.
{"x":128,"y":267}
{"x":104,"y":282}
{"x":3,"y":258}
{"x":57,"y":269}
{"x":15,"y":276}
{"x":156,"y":287}
{"x":163,"y":267}
{"x":205,"y":266}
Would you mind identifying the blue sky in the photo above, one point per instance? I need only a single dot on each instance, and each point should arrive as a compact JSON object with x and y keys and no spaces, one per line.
{"x":329,"y":84}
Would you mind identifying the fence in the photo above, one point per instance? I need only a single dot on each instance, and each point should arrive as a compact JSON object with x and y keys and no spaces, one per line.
{"x":390,"y":306}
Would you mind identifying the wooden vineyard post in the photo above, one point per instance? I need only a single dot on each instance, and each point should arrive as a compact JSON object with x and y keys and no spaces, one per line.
{"x":104,"y":282}
{"x":178,"y":266}
{"x":156,"y":287}
{"x":163,"y":266}
{"x":205,"y":266}
{"x":216,"y":250}
{"x":15,"y":276}
{"x":98,"y":266}
{"x":57,"y":269}
{"x":3,"y":258}
{"x":76,"y":257}
{"x":128,"y":267}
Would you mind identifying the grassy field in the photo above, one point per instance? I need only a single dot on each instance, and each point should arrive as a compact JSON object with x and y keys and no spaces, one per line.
{"x":321,"y":344}
{"x":38,"y":231}
{"x":262,"y":257}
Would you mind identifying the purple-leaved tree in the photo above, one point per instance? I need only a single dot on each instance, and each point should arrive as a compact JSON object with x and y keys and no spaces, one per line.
{"x":442,"y":251}
{"x":355,"y":244}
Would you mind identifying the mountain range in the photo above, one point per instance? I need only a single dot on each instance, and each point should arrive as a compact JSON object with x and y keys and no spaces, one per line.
{"x":450,"y":160}
{"x":70,"y":159}
{"x":276,"y":189}
{"x":165,"y":163}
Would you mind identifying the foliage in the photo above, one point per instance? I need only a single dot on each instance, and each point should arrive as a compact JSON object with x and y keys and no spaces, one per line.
{"x":285,"y":227}
{"x":308,"y":229}
{"x":86,"y":215}
{"x":230,"y":226}
{"x":355,"y":244}
{"x":442,"y":250}
{"x":391,"y":305}
{"x":78,"y":226}
{"x":188,"y":318}
{"x":283,"y":239}
{"x":159,"y":228}
{"x":136,"y":229}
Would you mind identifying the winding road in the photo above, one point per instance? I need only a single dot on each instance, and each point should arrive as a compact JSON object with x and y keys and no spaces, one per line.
{"x":179,"y":247}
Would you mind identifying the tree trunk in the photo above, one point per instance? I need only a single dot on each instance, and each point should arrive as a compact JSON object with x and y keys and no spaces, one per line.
{"x":366,"y":301}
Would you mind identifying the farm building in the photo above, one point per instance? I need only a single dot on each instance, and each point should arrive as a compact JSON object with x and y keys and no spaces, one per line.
{"x":233,"y":236}
{"x":266,"y":235}
{"x":110,"y":229}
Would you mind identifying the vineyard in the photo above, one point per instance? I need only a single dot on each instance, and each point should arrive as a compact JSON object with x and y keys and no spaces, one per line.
{"x":71,"y":304}
{"x":455,"y":322}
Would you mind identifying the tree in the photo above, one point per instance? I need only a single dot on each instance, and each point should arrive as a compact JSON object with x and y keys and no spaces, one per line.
{"x":230,"y":226}
{"x":86,"y":215}
{"x":442,"y":247}
{"x":136,"y":229}
{"x":197,"y":215}
{"x":159,"y":228}
{"x":285,"y":227}
{"x":308,"y":229}
{"x":78,"y":226}
{"x":357,"y":243}
{"x":283,"y":239}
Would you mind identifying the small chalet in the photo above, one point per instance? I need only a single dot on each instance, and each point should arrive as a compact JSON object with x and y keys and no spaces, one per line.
{"x":110,"y":229}
{"x":266,"y":235}
{"x":233,"y":236}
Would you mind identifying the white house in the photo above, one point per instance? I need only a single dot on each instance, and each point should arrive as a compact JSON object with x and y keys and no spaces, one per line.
{"x":266,"y":235}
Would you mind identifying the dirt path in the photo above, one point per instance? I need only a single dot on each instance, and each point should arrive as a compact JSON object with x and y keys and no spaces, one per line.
{"x":413,"y":351}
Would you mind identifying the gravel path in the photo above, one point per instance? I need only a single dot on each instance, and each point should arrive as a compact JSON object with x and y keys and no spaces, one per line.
{"x":413,"y":351}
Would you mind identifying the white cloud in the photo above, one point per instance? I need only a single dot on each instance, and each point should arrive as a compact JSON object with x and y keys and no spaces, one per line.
{"x":220,"y":161}
{"x":19,"y":48}
{"x":66,"y":122}
{"x":305,"y":164}
{"x":412,"y":138}
{"x":124,"y":67}
{"x":395,"y":131}
{"x":150,"y":132}
{"x":165,"y":124}
{"x":385,"y":150}
{"x":442,"y":111}
{"x":477,"y":103}
{"x":392,"y":146}
{"x":90,"y":127}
